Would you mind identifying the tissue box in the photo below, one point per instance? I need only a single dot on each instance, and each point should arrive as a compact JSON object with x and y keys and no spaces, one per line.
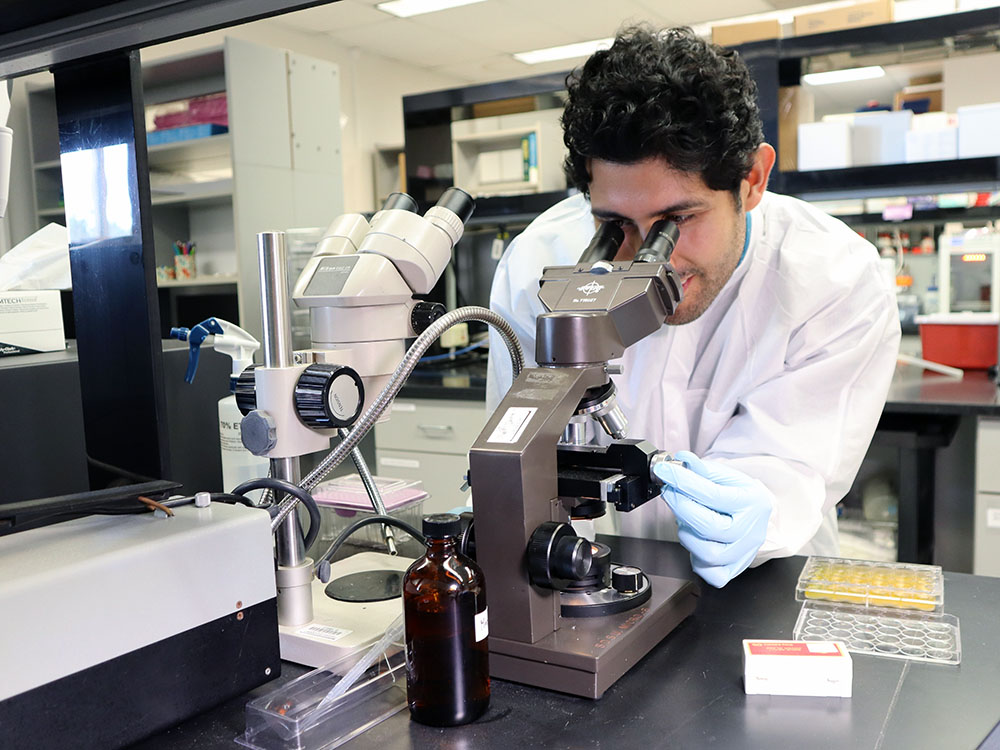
{"x":977,"y":130}
{"x":31,"y":322}
{"x":824,"y":145}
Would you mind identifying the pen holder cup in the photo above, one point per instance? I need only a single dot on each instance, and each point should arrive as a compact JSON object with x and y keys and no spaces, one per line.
{"x":185,"y":267}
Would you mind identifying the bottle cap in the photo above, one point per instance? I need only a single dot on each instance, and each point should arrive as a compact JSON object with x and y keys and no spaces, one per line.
{"x":441,"y":525}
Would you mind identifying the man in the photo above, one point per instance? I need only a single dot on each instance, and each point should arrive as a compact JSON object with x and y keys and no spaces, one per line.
{"x":769,"y":378}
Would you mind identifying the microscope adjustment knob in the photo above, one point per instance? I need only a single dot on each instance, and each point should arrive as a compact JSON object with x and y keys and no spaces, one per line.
{"x":329,"y":396}
{"x":425,"y":313}
{"x":259,"y":432}
{"x":626,"y":579}
{"x":557,"y":556}
{"x":245,"y":390}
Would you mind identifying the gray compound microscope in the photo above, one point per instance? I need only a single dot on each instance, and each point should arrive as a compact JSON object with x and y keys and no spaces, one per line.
{"x":561,"y":615}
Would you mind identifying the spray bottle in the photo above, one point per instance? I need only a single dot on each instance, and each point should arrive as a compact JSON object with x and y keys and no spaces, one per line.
{"x":238,"y":464}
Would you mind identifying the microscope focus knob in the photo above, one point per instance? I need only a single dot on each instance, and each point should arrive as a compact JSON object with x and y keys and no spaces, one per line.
{"x":259,"y":432}
{"x":245,"y":390}
{"x":425,"y":313}
{"x":329,"y":396}
{"x":626,"y":579}
{"x":557,"y":556}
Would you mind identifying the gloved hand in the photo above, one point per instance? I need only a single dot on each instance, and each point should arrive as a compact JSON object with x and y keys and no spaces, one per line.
{"x":722,"y":514}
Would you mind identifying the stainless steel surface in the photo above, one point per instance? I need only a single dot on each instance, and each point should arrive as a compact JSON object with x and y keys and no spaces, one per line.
{"x":274,"y":303}
{"x":660,"y":458}
{"x":291,"y":550}
{"x":575,"y":432}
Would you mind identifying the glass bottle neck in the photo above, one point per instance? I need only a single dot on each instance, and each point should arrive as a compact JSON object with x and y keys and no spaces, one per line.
{"x":442,"y":547}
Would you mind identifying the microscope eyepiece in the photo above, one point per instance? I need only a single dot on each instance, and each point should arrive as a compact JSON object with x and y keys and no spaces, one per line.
{"x":400,"y":201}
{"x":659,"y":242}
{"x":604,"y":246}
{"x":458,"y":202}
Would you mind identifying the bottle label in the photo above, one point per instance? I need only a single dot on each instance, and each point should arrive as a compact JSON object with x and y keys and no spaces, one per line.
{"x":482,"y":625}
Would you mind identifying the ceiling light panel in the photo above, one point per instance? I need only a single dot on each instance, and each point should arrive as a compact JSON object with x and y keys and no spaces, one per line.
{"x":407,"y":8}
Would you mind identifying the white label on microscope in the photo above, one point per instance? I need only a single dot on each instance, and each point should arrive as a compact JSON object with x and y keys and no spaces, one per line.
{"x":482,"y":625}
{"x":512,"y":425}
{"x":993,"y":518}
{"x":326,"y":632}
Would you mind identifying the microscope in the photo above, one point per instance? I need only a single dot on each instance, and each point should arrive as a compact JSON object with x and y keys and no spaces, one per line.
{"x":359,"y":286}
{"x":561,"y":615}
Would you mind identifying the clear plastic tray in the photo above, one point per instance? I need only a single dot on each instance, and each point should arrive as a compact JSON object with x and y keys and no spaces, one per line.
{"x":872,"y":584}
{"x":933,"y":638}
{"x":344,"y":500}
{"x":288,"y":718}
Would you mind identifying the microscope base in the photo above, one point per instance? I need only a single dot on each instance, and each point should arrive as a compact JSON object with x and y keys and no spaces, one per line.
{"x":338,"y":628}
{"x":585,"y":656}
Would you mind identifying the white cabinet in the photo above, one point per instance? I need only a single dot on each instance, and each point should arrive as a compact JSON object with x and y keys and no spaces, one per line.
{"x":429,"y":439}
{"x":986,"y":542}
{"x":507,"y":154}
{"x":278,"y":167}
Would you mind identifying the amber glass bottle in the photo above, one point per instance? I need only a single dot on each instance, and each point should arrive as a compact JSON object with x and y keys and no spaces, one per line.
{"x":447,"y":652}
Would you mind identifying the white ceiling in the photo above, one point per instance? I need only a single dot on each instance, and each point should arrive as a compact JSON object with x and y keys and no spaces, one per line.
{"x":475,"y":43}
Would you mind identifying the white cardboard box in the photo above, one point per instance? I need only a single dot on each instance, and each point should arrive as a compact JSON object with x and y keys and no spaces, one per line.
{"x":932,"y":145}
{"x":979,"y":130}
{"x":822,"y":668}
{"x":824,"y":145}
{"x":30,"y":322}
{"x":880,"y":138}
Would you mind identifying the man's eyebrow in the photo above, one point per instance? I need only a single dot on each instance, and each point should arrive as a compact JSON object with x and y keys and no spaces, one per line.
{"x":671,"y":210}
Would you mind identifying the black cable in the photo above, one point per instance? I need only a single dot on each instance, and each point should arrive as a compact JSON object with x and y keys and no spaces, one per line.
{"x":228,"y":497}
{"x":280,"y":485}
{"x":327,"y":556}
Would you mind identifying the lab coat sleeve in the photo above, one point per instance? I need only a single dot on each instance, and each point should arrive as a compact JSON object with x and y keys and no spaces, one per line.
{"x":804,"y":432}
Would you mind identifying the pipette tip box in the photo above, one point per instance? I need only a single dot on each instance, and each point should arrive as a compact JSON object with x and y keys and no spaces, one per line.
{"x":817,"y":668}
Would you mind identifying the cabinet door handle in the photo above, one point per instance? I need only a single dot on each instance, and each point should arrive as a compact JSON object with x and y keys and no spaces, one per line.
{"x":436,"y":430}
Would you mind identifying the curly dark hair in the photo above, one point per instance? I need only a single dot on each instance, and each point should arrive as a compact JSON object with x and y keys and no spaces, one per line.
{"x":666,"y":94}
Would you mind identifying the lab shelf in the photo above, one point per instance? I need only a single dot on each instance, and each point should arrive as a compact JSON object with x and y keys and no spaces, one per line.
{"x":215,"y":191}
{"x":211,"y":280}
{"x":956,"y":175}
{"x":495,"y":135}
{"x":50,"y":164}
{"x":57,"y":211}
{"x":194,"y":150}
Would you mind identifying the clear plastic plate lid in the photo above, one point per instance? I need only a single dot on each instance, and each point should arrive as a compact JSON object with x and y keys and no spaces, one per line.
{"x":295,"y":717}
{"x":869,"y":583}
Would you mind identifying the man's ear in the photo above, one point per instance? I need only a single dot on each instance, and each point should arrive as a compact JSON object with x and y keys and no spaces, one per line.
{"x":754,"y":184}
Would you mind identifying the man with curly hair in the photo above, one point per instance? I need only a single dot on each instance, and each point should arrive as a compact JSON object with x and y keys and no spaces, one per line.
{"x":769,"y":378}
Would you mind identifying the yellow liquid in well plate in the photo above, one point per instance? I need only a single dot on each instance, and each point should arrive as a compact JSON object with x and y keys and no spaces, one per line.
{"x":872,"y":585}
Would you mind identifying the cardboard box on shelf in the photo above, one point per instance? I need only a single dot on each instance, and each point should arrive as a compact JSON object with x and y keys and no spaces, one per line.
{"x":850,"y":17}
{"x":796,"y":105}
{"x":824,"y":145}
{"x":504,"y":106}
{"x":731,"y":34}
{"x":932,"y":93}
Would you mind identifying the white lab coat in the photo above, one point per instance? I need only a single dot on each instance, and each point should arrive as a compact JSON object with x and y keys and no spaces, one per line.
{"x":783,"y":377}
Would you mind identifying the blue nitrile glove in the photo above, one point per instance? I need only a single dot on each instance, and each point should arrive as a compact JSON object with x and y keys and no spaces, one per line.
{"x":722,"y":514}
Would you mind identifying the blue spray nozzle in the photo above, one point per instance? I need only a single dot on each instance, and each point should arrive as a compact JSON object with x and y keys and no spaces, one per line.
{"x":195,"y":337}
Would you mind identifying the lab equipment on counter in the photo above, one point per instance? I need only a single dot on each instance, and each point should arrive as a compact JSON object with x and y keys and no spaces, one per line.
{"x":969,"y":270}
{"x":447,"y":630}
{"x":967,"y":340}
{"x":565,"y":617}
{"x":119,"y":625}
{"x":879,"y":608}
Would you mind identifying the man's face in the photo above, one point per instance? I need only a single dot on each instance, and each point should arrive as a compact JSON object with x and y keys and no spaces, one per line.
{"x":712,"y":226}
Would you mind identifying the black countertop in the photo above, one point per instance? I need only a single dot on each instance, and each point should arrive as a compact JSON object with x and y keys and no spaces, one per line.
{"x":688,"y":692}
{"x":913,"y":389}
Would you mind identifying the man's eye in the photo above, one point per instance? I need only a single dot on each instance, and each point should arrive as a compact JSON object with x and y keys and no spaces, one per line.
{"x":678,"y":220}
